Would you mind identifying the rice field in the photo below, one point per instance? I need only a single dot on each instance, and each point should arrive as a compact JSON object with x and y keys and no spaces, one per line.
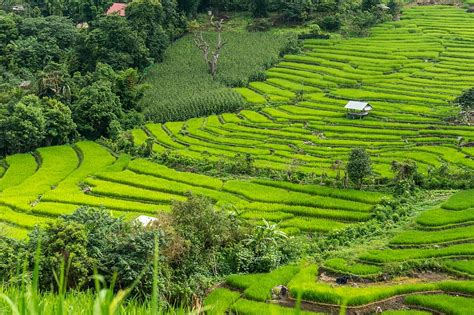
{"x":246,"y":294}
{"x":449,"y":249}
{"x":408,"y":70}
{"x":58,"y":180}
{"x":444,"y":236}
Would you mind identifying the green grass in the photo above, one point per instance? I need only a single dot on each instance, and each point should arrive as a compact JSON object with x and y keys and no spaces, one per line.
{"x":162,"y":137}
{"x":168,"y":186}
{"x":463,"y":266}
{"x":335,"y":214}
{"x":441,"y":217}
{"x":56,"y":164}
{"x":447,"y":304}
{"x":144,"y":167}
{"x":139,"y":136}
{"x":246,"y":307}
{"x":429,"y":237}
{"x":305,"y":284}
{"x":313,"y":224}
{"x":20,"y":219}
{"x":251,"y":96}
{"x":20,"y":167}
{"x":12,"y":231}
{"x":258,"y":286}
{"x":399,"y":255}
{"x":460,"y":201}
{"x":220,"y":300}
{"x":347,"y":194}
{"x":115,"y":190}
{"x":345,"y":267}
{"x":88,"y":174}
{"x":257,"y":192}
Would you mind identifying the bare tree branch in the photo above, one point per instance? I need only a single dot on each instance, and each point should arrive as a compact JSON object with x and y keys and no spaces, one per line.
{"x":211,"y":57}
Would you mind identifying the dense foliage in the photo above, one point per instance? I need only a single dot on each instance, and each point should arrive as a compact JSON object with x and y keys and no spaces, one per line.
{"x":466,"y":100}
{"x":358,"y":166}
{"x":197,"y":245}
{"x":59,"y":80}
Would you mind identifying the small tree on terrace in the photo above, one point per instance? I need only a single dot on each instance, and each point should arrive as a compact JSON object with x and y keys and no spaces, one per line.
{"x":211,"y":56}
{"x":359,"y":166}
{"x":406,"y":176}
{"x":466,"y":101}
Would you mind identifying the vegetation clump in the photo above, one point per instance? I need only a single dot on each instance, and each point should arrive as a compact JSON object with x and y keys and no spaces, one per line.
{"x":90,"y":241}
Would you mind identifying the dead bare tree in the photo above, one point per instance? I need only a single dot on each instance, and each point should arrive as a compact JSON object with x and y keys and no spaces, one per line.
{"x":211,"y":56}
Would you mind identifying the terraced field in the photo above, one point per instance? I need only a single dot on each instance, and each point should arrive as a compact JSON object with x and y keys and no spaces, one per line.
{"x":442,"y":234}
{"x":245,"y":293}
{"x":447,"y":246}
{"x":56,"y":180}
{"x":410,"y":71}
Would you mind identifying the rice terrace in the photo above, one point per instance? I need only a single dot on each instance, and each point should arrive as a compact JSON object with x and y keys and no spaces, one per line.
{"x":237,"y":157}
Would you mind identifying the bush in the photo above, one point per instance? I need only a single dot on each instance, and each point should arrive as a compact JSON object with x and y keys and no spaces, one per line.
{"x":88,"y":240}
{"x":293,"y":46}
{"x":331,"y":23}
{"x":295,"y":10}
{"x":198,"y":245}
{"x":358,"y":166}
{"x":466,"y":100}
{"x":259,"y":25}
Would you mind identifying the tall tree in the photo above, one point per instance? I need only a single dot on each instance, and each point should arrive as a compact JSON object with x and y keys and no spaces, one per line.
{"x":113,"y":41}
{"x":97,"y":107}
{"x":359,"y":166}
{"x":22,"y":128}
{"x":147,"y":18}
{"x":211,"y":56}
{"x":59,"y":126}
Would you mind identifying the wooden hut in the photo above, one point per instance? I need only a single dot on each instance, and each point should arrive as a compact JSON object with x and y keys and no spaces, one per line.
{"x":357,"y":109}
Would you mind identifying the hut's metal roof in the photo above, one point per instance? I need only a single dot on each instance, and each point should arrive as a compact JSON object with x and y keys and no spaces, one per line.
{"x":358,"y":105}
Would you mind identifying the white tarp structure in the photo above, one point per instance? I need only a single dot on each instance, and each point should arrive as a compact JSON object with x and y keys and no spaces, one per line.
{"x":146,"y":220}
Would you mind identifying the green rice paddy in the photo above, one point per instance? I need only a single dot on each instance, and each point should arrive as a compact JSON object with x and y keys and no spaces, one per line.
{"x":410,"y":71}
